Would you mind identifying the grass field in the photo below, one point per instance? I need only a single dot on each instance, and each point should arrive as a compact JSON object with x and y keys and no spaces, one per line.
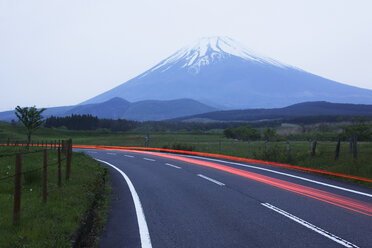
{"x":54,"y":224}
{"x":215,"y":142}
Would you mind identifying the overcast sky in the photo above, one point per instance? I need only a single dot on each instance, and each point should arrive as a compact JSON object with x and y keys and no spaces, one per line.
{"x":62,"y":52}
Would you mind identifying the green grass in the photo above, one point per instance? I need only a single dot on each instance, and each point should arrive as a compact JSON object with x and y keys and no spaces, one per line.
{"x":55,"y":223}
{"x":210,"y":142}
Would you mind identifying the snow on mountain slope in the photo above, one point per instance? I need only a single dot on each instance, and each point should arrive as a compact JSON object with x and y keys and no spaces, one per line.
{"x":220,"y":72}
{"x":208,"y":50}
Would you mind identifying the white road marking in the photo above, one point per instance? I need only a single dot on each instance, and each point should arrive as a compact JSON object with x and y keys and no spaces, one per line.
{"x":310,"y":226}
{"x":91,"y":152}
{"x":129,"y":156}
{"x":142,"y":224}
{"x":149,"y":159}
{"x":286,"y":174}
{"x":174,"y":166}
{"x":211,"y":180}
{"x":110,"y":153}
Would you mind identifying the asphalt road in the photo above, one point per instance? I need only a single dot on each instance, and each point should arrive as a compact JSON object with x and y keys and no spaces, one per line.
{"x":190,"y":203}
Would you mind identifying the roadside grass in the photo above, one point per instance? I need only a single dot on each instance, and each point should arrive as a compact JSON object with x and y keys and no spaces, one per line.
{"x":214,"y":142}
{"x":56,"y":223}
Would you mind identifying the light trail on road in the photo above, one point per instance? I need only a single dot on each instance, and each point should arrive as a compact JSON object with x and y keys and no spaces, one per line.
{"x":337,"y":200}
{"x":246,"y":160}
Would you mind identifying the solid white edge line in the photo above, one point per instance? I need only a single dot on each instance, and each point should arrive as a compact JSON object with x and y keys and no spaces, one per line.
{"x":172,"y":165}
{"x":142,"y":224}
{"x":129,"y":156}
{"x":311,"y":226}
{"x":211,"y":180}
{"x":286,"y":174}
{"x":149,"y":159}
{"x":110,"y":153}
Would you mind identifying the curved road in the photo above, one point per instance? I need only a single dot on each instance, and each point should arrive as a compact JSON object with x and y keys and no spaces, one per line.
{"x":185,"y":201}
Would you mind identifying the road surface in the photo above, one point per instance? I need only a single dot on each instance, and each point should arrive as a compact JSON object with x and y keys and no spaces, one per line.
{"x":184,"y":201}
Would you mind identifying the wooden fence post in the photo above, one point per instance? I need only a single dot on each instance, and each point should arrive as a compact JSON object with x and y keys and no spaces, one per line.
{"x":63,"y":147}
{"x":265,"y":146}
{"x":209,"y":146}
{"x":17,"y":189}
{"x":71,"y":146}
{"x":249,"y":148}
{"x":288,"y":148}
{"x":45,"y":174}
{"x":313,"y":148}
{"x":219,"y":146}
{"x":232,"y":148}
{"x":7,"y":143}
{"x":59,"y":168}
{"x":337,"y":153}
{"x":355,"y":146}
{"x":68,"y":158}
{"x":351,"y":144}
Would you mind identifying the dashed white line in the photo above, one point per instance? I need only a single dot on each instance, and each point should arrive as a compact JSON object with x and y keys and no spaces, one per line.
{"x":91,"y":152}
{"x":211,"y":180}
{"x":149,"y":159}
{"x":310,"y":226}
{"x":142,"y":224}
{"x":174,"y":166}
{"x":129,"y":156}
{"x":285,"y":174}
{"x":111,"y":153}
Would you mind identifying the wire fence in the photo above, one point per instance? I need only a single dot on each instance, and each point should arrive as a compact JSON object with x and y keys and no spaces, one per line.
{"x":260,"y":149}
{"x":63,"y":148}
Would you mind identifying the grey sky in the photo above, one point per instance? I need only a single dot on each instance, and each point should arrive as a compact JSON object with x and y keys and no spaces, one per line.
{"x":62,"y":52}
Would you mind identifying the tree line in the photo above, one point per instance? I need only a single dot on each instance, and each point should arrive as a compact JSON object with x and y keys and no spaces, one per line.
{"x":89,"y":122}
{"x":360,"y":129}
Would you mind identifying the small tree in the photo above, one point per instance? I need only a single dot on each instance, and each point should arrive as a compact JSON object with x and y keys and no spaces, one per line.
{"x":31,"y":119}
{"x":247,"y":133}
{"x":270,"y":134}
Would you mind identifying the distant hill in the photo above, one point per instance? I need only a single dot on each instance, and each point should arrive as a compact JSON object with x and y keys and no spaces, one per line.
{"x":162,"y":110}
{"x":114,"y":108}
{"x":56,"y":111}
{"x":301,"y":109}
{"x":118,"y":108}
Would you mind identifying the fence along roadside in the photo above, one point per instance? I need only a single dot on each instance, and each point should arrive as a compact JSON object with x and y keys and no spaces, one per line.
{"x":66,"y":149}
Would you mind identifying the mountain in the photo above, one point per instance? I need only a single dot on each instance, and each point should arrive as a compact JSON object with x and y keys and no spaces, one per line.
{"x":118,"y":108}
{"x":220,"y":72}
{"x":114,"y":108}
{"x":297,"y":110}
{"x":56,"y":111}
{"x":162,"y":110}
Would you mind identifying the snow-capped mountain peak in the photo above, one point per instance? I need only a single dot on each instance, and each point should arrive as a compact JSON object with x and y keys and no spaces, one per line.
{"x":219,"y":72}
{"x":208,"y":50}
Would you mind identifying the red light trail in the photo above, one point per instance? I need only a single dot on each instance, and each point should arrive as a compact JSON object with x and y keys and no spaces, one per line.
{"x":232,"y":158}
{"x":337,"y":200}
